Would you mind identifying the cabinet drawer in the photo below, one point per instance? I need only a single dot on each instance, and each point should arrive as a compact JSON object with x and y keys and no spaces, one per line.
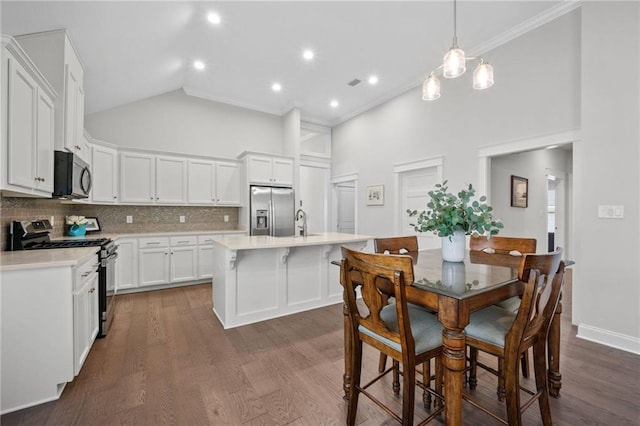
{"x":190,"y":240}
{"x":207,"y":239}
{"x":153,"y":242}
{"x":83,"y":272}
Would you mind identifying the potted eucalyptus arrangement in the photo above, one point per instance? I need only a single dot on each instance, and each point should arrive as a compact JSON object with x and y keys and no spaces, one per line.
{"x":452,"y":217}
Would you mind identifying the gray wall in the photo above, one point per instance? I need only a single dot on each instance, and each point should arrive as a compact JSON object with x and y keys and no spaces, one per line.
{"x":578,"y":72}
{"x":177,"y":122}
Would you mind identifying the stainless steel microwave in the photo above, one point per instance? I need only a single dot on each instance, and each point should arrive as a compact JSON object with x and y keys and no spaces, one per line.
{"x":71,"y":176}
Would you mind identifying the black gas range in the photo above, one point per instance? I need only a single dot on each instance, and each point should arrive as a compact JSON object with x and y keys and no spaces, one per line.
{"x":34,"y":235}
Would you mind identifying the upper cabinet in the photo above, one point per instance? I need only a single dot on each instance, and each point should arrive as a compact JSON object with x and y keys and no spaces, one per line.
{"x":171,"y":180}
{"x":214,"y":182}
{"x":104,"y":170}
{"x":54,"y":55}
{"x":28,"y":119}
{"x":151,"y":179}
{"x":269,"y":169}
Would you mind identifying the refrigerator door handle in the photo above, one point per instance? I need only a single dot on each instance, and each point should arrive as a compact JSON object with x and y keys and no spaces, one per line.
{"x":270,"y":219}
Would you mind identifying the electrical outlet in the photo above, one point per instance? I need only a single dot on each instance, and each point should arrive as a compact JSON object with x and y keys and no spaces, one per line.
{"x":129,"y":219}
{"x":610,"y":212}
{"x":226,"y":218}
{"x":181,"y":219}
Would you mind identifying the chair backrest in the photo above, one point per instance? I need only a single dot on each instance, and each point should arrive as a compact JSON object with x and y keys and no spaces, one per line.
{"x":503,"y":244}
{"x":544,"y":274}
{"x":395,"y":245}
{"x":378,"y":276}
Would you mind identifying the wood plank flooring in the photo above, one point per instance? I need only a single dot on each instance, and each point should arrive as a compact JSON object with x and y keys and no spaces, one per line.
{"x":167,"y":360}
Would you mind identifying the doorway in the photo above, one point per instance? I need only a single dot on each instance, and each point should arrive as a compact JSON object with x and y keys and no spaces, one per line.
{"x":346,"y":221}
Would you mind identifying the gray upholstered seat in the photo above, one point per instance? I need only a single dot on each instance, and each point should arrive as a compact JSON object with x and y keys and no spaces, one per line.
{"x":490,"y":325}
{"x":425,"y":328}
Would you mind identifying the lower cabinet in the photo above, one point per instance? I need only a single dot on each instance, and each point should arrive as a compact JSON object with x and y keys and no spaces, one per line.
{"x":183,"y":257}
{"x":127,"y":264}
{"x":154,"y":265}
{"x":85,"y":311}
{"x":205,"y":256}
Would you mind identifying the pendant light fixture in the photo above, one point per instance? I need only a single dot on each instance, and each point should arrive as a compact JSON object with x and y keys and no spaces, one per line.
{"x":454,"y":65}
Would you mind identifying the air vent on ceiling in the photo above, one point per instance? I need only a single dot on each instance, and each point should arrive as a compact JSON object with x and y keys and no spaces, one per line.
{"x":354,"y":82}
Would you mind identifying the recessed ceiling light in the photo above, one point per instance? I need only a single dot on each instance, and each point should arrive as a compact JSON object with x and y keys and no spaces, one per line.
{"x":199,"y":65}
{"x":308,"y":54}
{"x":334,"y":104}
{"x":276,"y":87}
{"x":373,"y":79}
{"x":214,"y":18}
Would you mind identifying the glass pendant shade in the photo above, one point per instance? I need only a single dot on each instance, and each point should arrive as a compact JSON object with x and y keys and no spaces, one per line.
{"x":483,"y":76}
{"x":454,"y":63}
{"x":431,"y":88}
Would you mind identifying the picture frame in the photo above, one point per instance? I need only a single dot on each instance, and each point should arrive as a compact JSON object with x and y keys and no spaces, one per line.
{"x":519,"y":192}
{"x":92,"y":224}
{"x":375,"y":195}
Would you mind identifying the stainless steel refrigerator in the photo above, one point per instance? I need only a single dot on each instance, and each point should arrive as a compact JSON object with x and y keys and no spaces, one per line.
{"x":272,"y":211}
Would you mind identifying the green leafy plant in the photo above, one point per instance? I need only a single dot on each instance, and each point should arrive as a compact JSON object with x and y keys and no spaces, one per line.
{"x":447,"y":212}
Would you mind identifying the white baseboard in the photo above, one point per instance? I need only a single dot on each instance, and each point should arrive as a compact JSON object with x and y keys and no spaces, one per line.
{"x":609,"y":338}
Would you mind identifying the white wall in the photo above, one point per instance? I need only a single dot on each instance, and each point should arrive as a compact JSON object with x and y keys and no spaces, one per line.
{"x":551,"y":80}
{"x":531,"y":221}
{"x":177,"y":122}
{"x":607,"y":290}
{"x":536,"y":93}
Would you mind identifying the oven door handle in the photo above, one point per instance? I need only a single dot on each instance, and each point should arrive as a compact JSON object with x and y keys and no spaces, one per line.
{"x":111,"y":258}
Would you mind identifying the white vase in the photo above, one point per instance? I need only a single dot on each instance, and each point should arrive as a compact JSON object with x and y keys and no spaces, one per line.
{"x":454,"y":247}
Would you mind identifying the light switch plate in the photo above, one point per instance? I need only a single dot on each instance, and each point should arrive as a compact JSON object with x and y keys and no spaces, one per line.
{"x":129,"y":219}
{"x":226,"y":218}
{"x":611,"y":211}
{"x":182,"y":219}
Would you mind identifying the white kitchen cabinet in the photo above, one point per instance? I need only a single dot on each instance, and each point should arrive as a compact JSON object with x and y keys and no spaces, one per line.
{"x":171,"y":180}
{"x":28,"y":106}
{"x":213,"y":182}
{"x":54,"y":55}
{"x":183,"y":258}
{"x":205,"y":256}
{"x":270,"y":170}
{"x":104,"y":169}
{"x":137,"y":178}
{"x":127,"y":264}
{"x":85,"y":311}
{"x":153,"y":258}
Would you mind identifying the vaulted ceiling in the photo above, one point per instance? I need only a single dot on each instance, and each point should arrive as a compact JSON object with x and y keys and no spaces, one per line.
{"x":134,"y":50}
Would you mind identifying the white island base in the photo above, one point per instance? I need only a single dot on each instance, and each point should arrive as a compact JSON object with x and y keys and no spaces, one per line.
{"x":261,"y":277}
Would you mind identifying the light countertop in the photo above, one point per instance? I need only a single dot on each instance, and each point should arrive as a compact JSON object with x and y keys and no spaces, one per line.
{"x":53,"y":258}
{"x":116,"y":236}
{"x":243,"y":242}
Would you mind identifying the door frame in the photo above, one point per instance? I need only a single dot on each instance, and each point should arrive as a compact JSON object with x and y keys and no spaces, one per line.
{"x":351,"y":177}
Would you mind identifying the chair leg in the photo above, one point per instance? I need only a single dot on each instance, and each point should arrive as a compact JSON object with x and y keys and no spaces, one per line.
{"x":439,"y":383}
{"x":511,"y":375}
{"x":540,"y":371}
{"x":426,"y":379}
{"x":382,"y":363}
{"x":501,"y":375}
{"x":396,"y":377}
{"x":408,"y":393}
{"x":473,"y":367}
{"x":524,"y":359}
{"x":354,"y":390}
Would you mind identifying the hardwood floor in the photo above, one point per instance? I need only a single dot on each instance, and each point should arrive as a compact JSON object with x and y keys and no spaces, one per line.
{"x":167,"y":360}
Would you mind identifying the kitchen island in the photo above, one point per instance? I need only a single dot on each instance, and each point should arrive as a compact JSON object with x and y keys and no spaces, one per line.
{"x":261,"y":277}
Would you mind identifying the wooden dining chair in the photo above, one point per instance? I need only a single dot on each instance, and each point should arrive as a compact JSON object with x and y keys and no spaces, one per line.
{"x":396,"y":245}
{"x":409,"y":335}
{"x":507,"y":335}
{"x":506,"y":245}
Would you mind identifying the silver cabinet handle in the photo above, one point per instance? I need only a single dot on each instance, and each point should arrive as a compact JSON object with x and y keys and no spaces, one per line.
{"x":179,"y":242}
{"x":92,"y":290}
{"x":153,"y":243}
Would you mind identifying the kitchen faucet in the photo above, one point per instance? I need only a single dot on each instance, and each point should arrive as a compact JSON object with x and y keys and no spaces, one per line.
{"x":300,"y":214}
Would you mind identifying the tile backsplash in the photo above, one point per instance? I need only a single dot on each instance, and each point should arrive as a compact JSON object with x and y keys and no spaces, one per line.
{"x":112,"y":219}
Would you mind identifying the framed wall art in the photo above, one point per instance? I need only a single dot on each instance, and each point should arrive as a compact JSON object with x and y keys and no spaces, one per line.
{"x":519,"y":191}
{"x":375,"y":195}
{"x":92,"y":224}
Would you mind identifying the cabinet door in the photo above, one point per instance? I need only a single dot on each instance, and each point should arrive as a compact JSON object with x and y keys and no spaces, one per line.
{"x":72,"y":93}
{"x":283,"y":171}
{"x":227,"y":183}
{"x":260,"y":169}
{"x":154,"y":266}
{"x":21,"y":126}
{"x":183,"y":263}
{"x":205,"y":261}
{"x":82,"y":321}
{"x":137,"y":173}
{"x":94,"y":314}
{"x":45,"y":143}
{"x":171,"y":180}
{"x":127,"y":264}
{"x":200,"y":182}
{"x":104,"y":171}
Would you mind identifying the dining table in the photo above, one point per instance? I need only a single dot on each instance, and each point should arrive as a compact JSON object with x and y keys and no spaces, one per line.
{"x":454,"y":290}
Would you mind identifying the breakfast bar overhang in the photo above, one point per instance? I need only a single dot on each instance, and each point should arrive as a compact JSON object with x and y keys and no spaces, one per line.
{"x":256,"y":278}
